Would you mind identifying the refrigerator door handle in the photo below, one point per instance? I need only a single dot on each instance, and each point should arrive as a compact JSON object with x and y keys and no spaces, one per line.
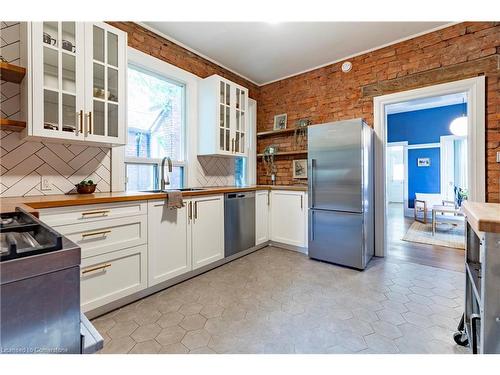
{"x":311,"y":227}
{"x":313,"y":163}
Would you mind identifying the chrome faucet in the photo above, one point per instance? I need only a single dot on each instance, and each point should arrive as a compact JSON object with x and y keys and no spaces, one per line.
{"x":164,"y":182}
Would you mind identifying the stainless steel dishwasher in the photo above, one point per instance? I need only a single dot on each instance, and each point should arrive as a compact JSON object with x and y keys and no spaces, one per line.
{"x":239,"y":222}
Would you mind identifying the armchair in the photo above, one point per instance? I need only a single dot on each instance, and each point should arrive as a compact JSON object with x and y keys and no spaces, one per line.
{"x":424,"y":203}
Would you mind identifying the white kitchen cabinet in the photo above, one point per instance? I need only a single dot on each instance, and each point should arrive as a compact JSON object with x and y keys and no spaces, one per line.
{"x":169,"y":255}
{"x":262,"y":208}
{"x":289,"y":217}
{"x":223,"y":117}
{"x":76,"y":82}
{"x":184,"y":239}
{"x":100,"y":237}
{"x":206,"y":229}
{"x":108,"y":277}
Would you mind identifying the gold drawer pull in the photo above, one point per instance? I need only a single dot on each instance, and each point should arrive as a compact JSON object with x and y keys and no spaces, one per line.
{"x":102,"y":213}
{"x":102,"y":232}
{"x":97,"y":268}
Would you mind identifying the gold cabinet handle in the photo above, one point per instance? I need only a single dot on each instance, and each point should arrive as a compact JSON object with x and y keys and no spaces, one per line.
{"x":268,"y":193}
{"x":97,"y":268}
{"x":101,"y":213}
{"x":81,"y":121}
{"x":89,"y":129}
{"x":190,"y":210}
{"x":301,"y":202}
{"x":196,"y":210}
{"x":100,"y":233}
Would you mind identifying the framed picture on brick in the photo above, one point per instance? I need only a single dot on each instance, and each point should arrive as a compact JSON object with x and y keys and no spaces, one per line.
{"x":299,"y":168}
{"x":280,"y":122}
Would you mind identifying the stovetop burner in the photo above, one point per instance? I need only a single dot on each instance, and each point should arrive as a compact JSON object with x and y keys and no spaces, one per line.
{"x":22,"y":235}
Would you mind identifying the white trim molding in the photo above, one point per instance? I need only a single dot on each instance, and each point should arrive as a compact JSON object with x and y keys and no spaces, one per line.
{"x":190,"y":82}
{"x":475,"y":92}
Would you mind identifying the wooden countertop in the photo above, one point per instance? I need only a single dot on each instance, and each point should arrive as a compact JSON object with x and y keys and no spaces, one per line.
{"x":483,"y":217}
{"x":33,"y":203}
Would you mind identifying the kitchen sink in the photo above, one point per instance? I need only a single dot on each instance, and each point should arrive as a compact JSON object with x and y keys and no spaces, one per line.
{"x":166,"y":190}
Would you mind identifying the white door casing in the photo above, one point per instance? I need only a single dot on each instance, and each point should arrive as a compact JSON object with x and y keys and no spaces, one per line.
{"x":475,"y":91}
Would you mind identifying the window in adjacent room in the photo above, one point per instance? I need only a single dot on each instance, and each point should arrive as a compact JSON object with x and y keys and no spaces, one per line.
{"x":156,"y":128}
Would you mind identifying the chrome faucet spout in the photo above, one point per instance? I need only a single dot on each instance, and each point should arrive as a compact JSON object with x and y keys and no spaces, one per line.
{"x":164,"y":180}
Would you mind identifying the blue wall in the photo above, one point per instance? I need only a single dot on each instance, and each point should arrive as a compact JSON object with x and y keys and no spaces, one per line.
{"x":423,"y":179}
{"x":420,"y":127}
{"x":424,"y":126}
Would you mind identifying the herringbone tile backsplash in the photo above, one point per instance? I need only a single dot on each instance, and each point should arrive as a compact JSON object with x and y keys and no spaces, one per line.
{"x":24,"y":163}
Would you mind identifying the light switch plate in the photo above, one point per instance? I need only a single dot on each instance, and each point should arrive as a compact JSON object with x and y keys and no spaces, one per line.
{"x":45,"y":184}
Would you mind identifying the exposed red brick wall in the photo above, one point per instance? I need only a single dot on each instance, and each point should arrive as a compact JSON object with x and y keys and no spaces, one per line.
{"x":327,"y":94}
{"x":163,"y":49}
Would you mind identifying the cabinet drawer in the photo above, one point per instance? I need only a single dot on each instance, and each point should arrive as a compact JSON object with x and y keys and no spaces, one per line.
{"x":102,"y":237}
{"x":108,"y":277}
{"x":90,"y":213}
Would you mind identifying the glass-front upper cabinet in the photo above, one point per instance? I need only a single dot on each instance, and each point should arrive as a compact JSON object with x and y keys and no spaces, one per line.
{"x":240,"y":128}
{"x":58,"y":79}
{"x":225,"y":102}
{"x":77,"y":81}
{"x":106,"y":66}
{"x":225,"y":140}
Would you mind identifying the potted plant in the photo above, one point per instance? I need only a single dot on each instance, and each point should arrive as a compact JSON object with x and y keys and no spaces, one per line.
{"x":85,"y":187}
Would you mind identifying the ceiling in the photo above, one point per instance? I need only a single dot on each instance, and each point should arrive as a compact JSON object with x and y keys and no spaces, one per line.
{"x":427,"y":103}
{"x":264,"y":52}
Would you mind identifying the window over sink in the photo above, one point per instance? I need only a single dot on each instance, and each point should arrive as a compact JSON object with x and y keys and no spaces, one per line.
{"x":156,"y":129}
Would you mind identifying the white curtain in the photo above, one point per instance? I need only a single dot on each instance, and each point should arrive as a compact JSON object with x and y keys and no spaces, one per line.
{"x":460,"y":150}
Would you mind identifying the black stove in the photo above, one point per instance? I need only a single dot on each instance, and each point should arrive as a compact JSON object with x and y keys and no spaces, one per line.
{"x":22,"y":235}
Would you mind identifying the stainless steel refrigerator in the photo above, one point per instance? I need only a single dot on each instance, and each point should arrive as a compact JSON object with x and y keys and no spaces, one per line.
{"x":341,"y":207}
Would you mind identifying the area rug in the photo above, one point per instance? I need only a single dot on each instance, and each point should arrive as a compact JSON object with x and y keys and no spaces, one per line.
{"x":446,"y":235}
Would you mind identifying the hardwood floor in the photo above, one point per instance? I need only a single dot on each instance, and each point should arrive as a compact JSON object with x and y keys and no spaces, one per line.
{"x":430,"y":255}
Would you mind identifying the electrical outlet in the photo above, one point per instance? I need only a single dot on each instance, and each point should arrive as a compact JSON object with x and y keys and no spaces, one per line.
{"x":498,"y":156}
{"x":46,"y":184}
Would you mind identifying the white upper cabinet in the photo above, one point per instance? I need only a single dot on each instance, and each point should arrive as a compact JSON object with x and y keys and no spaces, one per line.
{"x":78,"y":80}
{"x":222,"y":117}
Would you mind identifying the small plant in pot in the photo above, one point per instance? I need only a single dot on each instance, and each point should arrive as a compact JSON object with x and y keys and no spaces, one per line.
{"x":85,"y":187}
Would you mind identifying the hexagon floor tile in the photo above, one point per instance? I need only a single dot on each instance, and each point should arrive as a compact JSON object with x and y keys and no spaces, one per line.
{"x":280,"y":301}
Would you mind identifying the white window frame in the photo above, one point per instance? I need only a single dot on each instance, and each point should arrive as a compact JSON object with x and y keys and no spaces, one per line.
{"x":190,"y":82}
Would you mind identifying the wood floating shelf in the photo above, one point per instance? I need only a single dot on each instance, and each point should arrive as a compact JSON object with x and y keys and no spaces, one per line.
{"x":12,"y":125}
{"x":287,"y":153}
{"x":275,"y":132}
{"x":11,"y":73}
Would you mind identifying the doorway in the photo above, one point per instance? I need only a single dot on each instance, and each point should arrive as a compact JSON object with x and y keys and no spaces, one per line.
{"x":388,"y":157}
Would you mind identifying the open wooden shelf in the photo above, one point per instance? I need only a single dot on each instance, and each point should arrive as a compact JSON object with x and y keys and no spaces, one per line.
{"x":11,"y":73}
{"x":275,"y":132}
{"x":287,"y":153}
{"x":12,"y":125}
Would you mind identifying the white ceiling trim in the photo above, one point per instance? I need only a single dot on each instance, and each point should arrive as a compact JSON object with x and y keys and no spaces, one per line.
{"x":362,"y":52}
{"x":163,"y":35}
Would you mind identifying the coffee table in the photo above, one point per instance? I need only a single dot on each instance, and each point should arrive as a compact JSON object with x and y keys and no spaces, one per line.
{"x":444,"y":209}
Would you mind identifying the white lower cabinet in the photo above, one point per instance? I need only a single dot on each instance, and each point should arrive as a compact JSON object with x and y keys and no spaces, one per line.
{"x":99,"y":237}
{"x":289,"y":217}
{"x":108,"y":277}
{"x":184,"y":239}
{"x":206,"y":230}
{"x":262,"y":208}
{"x":167,"y":241}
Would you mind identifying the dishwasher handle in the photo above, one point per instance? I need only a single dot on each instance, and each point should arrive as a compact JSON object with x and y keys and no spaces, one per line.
{"x":239,"y":195}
